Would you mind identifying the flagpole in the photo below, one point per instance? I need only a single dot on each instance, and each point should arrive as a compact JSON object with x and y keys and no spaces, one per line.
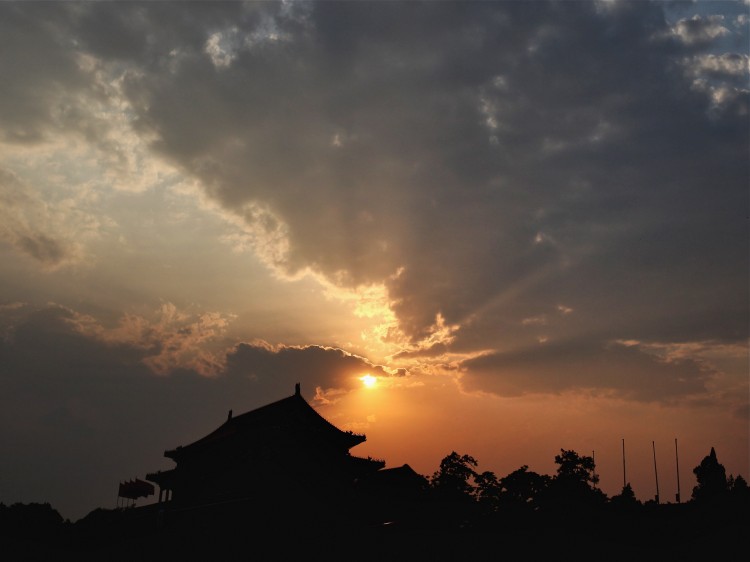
{"x":656,"y":472}
{"x":677,"y":466}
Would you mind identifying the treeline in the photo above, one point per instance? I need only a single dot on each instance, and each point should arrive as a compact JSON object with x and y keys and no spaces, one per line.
{"x":574,"y":485}
{"x":465,"y":491}
{"x":458,"y":513}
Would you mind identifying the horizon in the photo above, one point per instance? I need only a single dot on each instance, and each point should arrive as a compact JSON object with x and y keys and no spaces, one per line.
{"x":496,"y":228}
{"x":642,"y":468}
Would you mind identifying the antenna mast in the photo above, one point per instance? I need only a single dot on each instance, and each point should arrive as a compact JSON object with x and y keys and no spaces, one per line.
{"x":656,"y":473}
{"x":677,"y":465}
{"x":624,"y":479}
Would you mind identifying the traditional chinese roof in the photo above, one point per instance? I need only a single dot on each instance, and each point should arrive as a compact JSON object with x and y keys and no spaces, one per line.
{"x":288,"y":420}
{"x":164,"y":478}
{"x":399,"y":477}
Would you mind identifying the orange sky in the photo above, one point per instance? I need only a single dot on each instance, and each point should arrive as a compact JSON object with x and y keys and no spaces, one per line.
{"x":422,"y":424}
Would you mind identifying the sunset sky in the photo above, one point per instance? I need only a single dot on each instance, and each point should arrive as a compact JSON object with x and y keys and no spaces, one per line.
{"x":528,"y":221}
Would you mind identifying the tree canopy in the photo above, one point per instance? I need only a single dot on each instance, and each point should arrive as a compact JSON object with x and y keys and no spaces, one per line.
{"x":453,"y":478}
{"x":712,"y":479}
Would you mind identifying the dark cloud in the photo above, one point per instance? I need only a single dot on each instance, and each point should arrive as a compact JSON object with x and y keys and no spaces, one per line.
{"x":450,"y":149}
{"x":43,"y":248}
{"x":743,"y":411}
{"x":39,"y":63}
{"x":26,"y":224}
{"x":275,"y":369}
{"x":623,"y":370}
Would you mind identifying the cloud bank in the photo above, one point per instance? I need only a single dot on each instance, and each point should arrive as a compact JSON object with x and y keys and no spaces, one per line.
{"x":483,"y":164}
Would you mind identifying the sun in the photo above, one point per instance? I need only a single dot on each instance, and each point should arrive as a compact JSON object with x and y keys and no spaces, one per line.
{"x":368,"y":380}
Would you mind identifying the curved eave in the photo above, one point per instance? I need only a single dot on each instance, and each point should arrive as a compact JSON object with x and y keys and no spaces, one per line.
{"x":354,"y":439}
{"x":294,"y":409}
{"x":162,"y":478}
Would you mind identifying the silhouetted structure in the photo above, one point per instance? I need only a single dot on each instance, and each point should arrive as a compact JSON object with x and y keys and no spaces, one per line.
{"x":402,"y":483}
{"x":134,"y":489}
{"x":282,"y":450}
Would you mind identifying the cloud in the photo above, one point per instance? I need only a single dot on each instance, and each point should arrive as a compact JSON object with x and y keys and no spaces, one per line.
{"x":481,"y":163}
{"x":315,"y":367}
{"x":723,"y":79}
{"x":169,"y":341}
{"x":743,"y":411}
{"x":540,"y":320}
{"x":726,"y":64}
{"x":700,"y":29}
{"x":48,"y":72}
{"x":444,"y":151}
{"x":35,"y":228}
{"x":612,"y":369}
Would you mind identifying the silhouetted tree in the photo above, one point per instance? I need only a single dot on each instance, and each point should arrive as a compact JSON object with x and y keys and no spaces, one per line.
{"x":487,"y":490}
{"x":573,"y":485}
{"x":712,"y":479}
{"x":739,"y":492}
{"x":573,"y":467}
{"x":32,"y":519}
{"x":626,"y":499}
{"x":522,"y":487}
{"x":453,"y":478}
{"x":737,"y":485}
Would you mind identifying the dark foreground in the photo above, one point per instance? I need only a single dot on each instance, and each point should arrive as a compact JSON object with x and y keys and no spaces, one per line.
{"x":431,"y":531}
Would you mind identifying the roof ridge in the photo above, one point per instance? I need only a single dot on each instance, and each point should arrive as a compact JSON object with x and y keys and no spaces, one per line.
{"x":291,"y":408}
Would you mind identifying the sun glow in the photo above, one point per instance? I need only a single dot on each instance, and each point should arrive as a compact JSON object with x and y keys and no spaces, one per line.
{"x":368,"y":380}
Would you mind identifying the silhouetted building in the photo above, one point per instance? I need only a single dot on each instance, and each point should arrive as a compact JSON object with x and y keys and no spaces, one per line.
{"x":280,"y":451}
{"x":400,"y":483}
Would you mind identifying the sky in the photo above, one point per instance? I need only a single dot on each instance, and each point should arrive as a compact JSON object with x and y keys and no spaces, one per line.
{"x":527,"y":220}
